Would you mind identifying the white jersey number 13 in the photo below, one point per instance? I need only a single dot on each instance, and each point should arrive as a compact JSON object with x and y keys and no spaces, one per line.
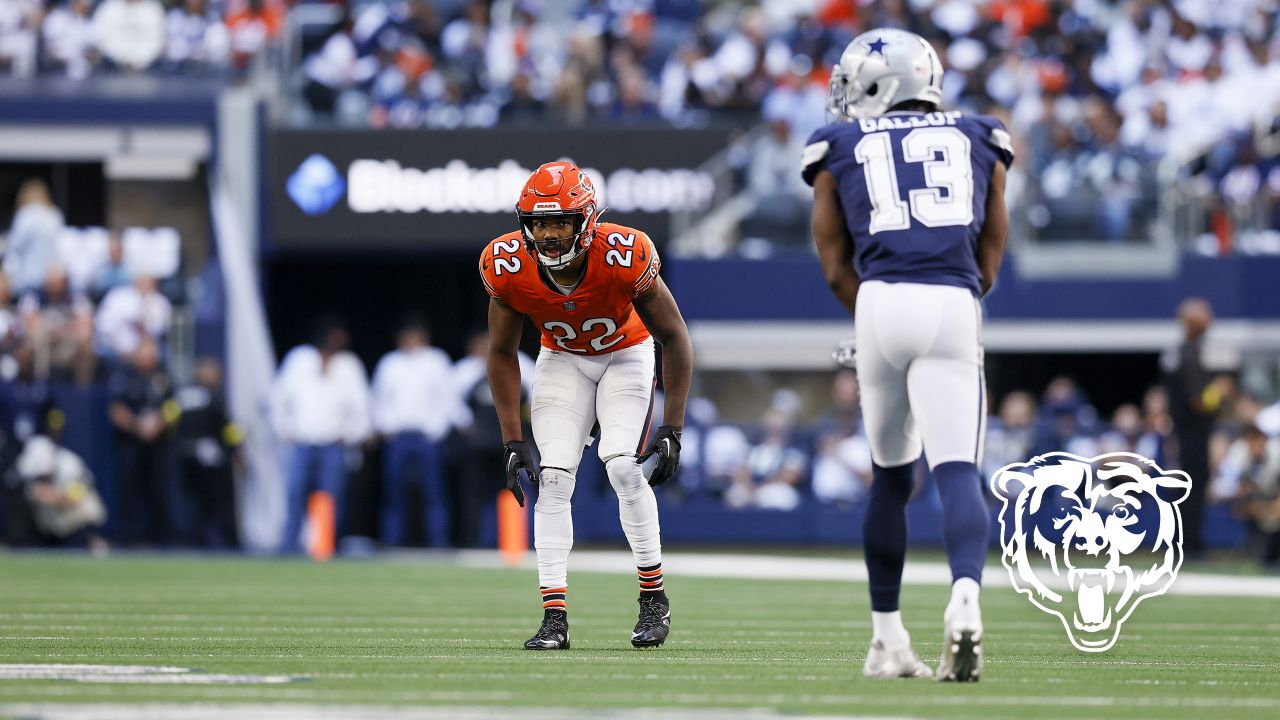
{"x":952,"y":172}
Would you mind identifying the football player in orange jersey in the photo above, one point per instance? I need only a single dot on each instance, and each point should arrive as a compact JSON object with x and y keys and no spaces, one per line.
{"x":594,"y":291}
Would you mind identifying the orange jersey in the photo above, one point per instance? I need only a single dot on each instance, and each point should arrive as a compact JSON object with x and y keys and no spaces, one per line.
{"x":597,"y":317}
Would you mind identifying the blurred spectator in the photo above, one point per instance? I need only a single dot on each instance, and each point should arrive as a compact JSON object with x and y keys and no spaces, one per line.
{"x":1157,"y":425}
{"x":842,"y":459}
{"x":319,"y":405}
{"x":60,"y":326}
{"x":65,"y":507}
{"x":142,"y":413}
{"x":114,"y":273}
{"x":781,"y":201}
{"x":523,"y":107}
{"x":195,"y":38}
{"x":130,"y":33}
{"x":1066,"y":421}
{"x":27,"y":409}
{"x":334,"y":69}
{"x":1193,"y":403}
{"x":12,"y":329}
{"x":1268,"y":420}
{"x":252,"y":26}
{"x":33,"y":237}
{"x":415,"y":403}
{"x":207,"y":443}
{"x":1125,"y":431}
{"x":476,"y":486}
{"x":775,"y":468}
{"x":724,"y":461}
{"x":842,"y":469}
{"x":1011,"y":434}
{"x":1250,"y":478}
{"x":129,"y":313}
{"x":69,"y":45}
{"x":19,"y":20}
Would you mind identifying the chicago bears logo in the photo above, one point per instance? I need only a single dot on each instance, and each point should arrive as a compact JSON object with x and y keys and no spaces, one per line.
{"x":1088,"y":539}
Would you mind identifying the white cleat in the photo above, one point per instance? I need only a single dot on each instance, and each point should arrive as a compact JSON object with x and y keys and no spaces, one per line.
{"x":901,"y":663}
{"x":961,"y":653}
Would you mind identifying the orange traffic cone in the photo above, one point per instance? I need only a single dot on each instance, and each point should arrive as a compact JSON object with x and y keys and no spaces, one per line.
{"x":513,"y":529}
{"x":322,"y":517}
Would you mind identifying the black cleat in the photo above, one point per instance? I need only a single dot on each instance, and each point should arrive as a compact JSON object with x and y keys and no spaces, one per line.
{"x":554,"y":633}
{"x":961,"y":656}
{"x":654,"y":624}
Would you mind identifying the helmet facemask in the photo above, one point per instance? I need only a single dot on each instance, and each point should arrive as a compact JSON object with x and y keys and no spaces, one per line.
{"x":848,"y":99}
{"x":579,"y":238}
{"x":881,"y":69}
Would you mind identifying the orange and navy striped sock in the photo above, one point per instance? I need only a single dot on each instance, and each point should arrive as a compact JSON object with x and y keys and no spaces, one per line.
{"x":651,"y":581}
{"x":553,"y":598}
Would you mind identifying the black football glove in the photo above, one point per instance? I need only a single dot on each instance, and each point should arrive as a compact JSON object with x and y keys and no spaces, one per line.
{"x":666,"y":445}
{"x":518,"y":456}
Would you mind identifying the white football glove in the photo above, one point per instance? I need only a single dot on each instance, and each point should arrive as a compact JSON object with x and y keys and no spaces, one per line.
{"x":845,"y":353}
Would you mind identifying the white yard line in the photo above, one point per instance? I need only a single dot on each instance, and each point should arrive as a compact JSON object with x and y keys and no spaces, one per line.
{"x":359,"y":712}
{"x":773,"y":567}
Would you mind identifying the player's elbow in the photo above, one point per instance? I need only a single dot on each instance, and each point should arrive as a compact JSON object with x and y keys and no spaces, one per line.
{"x":837,"y":278}
{"x":671,"y":338}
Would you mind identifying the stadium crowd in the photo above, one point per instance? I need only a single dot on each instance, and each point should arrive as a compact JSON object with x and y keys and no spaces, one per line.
{"x":85,"y":311}
{"x":1107,"y":99}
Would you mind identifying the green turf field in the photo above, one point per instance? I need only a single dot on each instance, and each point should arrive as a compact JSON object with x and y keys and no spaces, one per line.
{"x":427,"y":633}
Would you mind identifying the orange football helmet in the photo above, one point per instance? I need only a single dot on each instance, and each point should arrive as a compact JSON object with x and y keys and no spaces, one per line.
{"x":553,"y":190}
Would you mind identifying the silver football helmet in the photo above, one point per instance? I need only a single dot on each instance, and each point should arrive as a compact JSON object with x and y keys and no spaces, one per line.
{"x":880,"y":69}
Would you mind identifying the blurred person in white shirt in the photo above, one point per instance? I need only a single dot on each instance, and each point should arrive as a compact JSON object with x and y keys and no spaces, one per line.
{"x":127,"y":313}
{"x":68,"y":38}
{"x":33,"y":236}
{"x":775,"y":468}
{"x":195,"y":37}
{"x":19,"y":20}
{"x":130,"y":33}
{"x":320,"y":406}
{"x":479,"y":441}
{"x":415,"y":403}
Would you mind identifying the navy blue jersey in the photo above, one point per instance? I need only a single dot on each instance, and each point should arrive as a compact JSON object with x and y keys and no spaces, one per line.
{"x":913,"y":187}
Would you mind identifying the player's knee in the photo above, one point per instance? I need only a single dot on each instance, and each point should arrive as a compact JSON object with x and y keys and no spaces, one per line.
{"x":626,"y":477}
{"x":555,"y":489}
{"x":560,"y":454}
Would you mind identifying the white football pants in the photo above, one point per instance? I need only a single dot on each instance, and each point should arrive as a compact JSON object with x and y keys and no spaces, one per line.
{"x":570,"y":394}
{"x":919,"y":358}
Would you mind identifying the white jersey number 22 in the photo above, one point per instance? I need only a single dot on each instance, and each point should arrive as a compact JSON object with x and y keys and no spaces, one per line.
{"x":952,"y":172}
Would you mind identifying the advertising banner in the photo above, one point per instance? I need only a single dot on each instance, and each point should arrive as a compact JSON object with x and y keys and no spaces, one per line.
{"x":427,"y":190}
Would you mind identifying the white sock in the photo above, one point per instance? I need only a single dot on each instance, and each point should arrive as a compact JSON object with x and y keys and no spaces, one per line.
{"x":963,"y":609}
{"x":553,"y":527}
{"x":887,"y":627}
{"x":637,"y":509}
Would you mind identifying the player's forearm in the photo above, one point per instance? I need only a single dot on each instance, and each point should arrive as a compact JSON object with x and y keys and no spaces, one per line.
{"x":504,"y":383}
{"x":995,"y":232}
{"x":990,"y":255}
{"x":844,"y":285}
{"x":677,"y":376}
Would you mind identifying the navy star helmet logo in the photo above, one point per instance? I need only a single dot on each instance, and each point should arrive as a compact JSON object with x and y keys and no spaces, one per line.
{"x":876,"y":47}
{"x":570,"y":305}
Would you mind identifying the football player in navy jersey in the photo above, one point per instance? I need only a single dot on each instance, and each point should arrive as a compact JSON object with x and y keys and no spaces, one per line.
{"x":910,"y":223}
